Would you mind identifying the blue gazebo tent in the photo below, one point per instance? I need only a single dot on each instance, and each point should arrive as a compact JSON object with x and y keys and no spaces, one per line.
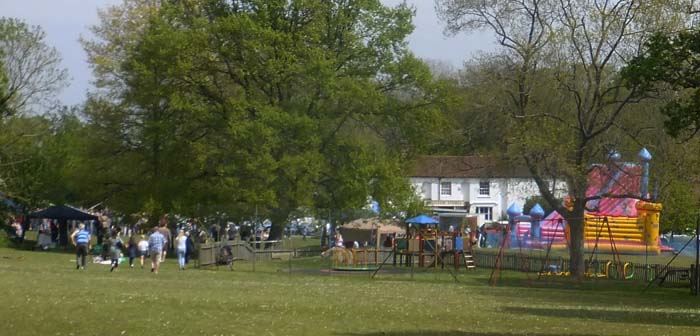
{"x":422,"y":220}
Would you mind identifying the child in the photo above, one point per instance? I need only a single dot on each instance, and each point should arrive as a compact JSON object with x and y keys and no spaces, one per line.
{"x":115,"y":250}
{"x":143,"y":249}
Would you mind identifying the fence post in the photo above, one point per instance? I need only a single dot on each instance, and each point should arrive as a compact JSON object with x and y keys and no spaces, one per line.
{"x":290,"y":254}
{"x":694,"y":280}
{"x":561,"y":264}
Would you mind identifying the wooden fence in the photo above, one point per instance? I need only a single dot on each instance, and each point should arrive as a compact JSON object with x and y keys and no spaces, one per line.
{"x":208,"y":254}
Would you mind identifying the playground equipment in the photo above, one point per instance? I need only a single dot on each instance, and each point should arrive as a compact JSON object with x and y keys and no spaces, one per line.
{"x":430,"y":248}
{"x":617,"y":223}
{"x":426,"y":248}
{"x":352,"y":259}
{"x":362,"y":240}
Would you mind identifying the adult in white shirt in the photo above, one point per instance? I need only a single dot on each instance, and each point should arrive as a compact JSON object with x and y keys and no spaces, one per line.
{"x":181,"y":244}
{"x":143,"y":248}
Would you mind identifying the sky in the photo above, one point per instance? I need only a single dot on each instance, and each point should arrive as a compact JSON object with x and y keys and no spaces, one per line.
{"x":65,"y":21}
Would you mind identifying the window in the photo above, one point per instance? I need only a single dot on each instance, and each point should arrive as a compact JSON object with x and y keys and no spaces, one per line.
{"x":484,"y":188}
{"x":445,"y":188}
{"x":487,"y":211}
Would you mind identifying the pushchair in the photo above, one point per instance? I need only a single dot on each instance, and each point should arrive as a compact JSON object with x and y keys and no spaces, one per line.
{"x":225,"y":257}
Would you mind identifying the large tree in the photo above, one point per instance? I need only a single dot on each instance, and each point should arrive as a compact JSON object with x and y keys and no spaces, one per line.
{"x":30,"y":77}
{"x":4,"y":109}
{"x":670,"y":63}
{"x":33,"y":74}
{"x":560,"y":86}
{"x":267,"y":105}
{"x":668,"y":70}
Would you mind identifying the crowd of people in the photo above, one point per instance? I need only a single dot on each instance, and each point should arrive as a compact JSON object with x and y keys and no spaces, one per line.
{"x":154,"y":246}
{"x":108,"y":239}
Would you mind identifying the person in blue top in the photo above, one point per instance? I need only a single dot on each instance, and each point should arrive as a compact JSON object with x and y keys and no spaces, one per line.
{"x":81,"y":240}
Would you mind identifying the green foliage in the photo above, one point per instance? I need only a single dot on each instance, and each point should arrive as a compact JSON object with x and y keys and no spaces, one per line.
{"x":256,"y":106}
{"x":680,"y":202}
{"x":25,"y":164}
{"x":29,"y":79}
{"x":671,"y":62}
{"x":667,"y":69}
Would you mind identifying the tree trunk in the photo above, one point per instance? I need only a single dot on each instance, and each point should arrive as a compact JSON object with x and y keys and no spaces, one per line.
{"x":576,"y":253}
{"x":279,"y":222}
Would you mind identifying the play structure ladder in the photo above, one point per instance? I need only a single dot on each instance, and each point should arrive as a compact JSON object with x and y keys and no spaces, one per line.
{"x":469,"y":260}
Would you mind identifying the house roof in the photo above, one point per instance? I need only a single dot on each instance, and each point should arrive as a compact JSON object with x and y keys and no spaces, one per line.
{"x":465,"y":167}
{"x":383,"y":225}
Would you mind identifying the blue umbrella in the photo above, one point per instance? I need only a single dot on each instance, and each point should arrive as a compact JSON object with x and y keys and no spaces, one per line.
{"x":422,"y":219}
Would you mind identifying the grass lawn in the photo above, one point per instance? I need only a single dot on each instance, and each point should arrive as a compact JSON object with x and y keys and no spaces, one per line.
{"x":299,"y":242}
{"x":43,"y":294}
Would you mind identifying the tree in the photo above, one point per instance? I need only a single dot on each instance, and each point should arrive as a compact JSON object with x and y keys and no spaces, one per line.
{"x":273,"y":106}
{"x":561,"y":86}
{"x":667,"y":70}
{"x":156,"y":147}
{"x":30,"y":77}
{"x":670,"y":63}
{"x":4,"y":109}
{"x":32,"y":69}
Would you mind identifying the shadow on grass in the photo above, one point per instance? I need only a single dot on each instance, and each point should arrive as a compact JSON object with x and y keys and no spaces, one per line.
{"x":633,"y":317}
{"x":594,"y":286}
{"x":446,"y":333}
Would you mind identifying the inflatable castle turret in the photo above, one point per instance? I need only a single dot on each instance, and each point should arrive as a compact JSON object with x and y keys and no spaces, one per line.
{"x":514,"y":211}
{"x":533,"y":230}
{"x":536,"y":213}
{"x":648,"y":213}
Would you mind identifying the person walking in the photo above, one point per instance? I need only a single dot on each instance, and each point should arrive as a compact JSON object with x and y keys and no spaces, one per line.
{"x":115,"y":249}
{"x":155,"y":245}
{"x":81,"y":240}
{"x":167,"y":236}
{"x":133,"y":248}
{"x":143,"y":249}
{"x":189,"y":249}
{"x":181,"y":243}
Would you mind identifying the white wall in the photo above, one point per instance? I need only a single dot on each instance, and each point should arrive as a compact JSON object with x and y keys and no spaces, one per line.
{"x":502,"y":193}
{"x":492,"y":200}
{"x":520,"y":189}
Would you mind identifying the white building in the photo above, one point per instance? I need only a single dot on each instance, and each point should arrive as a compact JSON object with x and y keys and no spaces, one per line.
{"x":479,"y":185}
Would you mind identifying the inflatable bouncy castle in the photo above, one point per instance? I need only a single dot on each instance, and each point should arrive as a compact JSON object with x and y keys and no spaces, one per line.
{"x":618,"y":217}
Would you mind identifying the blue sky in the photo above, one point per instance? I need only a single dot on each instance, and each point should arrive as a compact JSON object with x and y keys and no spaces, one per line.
{"x":66,"y":20}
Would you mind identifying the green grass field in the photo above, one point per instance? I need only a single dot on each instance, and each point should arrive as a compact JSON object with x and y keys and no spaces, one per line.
{"x":43,"y":294}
